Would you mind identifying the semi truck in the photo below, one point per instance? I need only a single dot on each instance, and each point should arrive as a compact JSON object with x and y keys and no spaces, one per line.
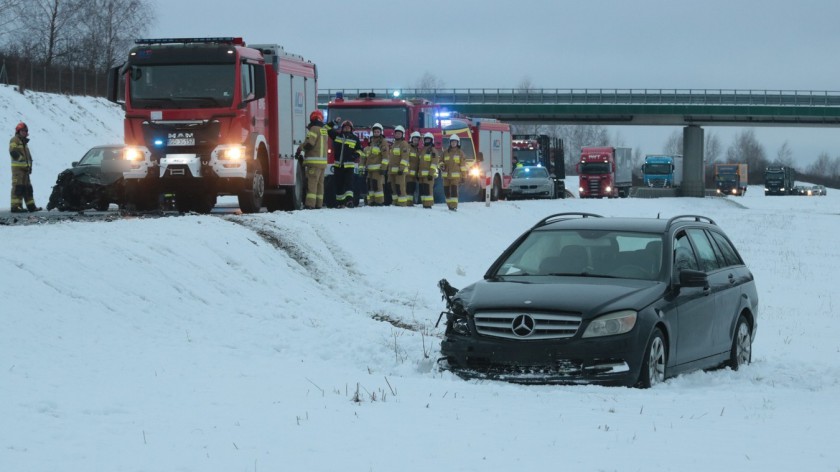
{"x":779,"y":180}
{"x":731,"y":179}
{"x":662,"y":171}
{"x":542,"y":150}
{"x":605,"y":172}
{"x":213,"y":116}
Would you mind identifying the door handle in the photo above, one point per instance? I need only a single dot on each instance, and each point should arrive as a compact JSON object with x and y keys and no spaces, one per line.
{"x":731,"y":279}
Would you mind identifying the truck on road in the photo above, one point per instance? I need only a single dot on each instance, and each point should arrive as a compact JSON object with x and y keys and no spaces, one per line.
{"x":779,"y":180}
{"x":731,"y":179}
{"x":211,"y":116}
{"x":662,"y":171}
{"x":605,"y":172}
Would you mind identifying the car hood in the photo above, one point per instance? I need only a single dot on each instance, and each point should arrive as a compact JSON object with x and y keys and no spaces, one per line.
{"x":538,"y":181}
{"x":588,"y":296}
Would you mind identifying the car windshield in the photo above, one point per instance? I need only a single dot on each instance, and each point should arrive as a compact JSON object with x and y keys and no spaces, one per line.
{"x":595,"y":168}
{"x":95,"y":156}
{"x":530,"y":173}
{"x":590,"y":253}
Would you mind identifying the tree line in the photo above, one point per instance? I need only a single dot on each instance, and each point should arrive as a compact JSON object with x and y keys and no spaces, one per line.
{"x":88,"y":34}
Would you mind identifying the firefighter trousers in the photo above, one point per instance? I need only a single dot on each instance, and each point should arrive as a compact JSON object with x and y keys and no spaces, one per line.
{"x":426,"y":196}
{"x":376,"y":188}
{"x":344,"y":185}
{"x":450,"y":189}
{"x":22,"y":189}
{"x":314,"y":186}
{"x":411,"y":190}
{"x":397,"y":189}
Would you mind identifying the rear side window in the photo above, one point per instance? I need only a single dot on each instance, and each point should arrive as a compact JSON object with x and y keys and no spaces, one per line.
{"x":705,"y":251}
{"x":730,"y":256}
{"x":684,"y":257}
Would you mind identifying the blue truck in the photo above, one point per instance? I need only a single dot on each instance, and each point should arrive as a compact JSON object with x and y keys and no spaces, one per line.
{"x":663,"y":171}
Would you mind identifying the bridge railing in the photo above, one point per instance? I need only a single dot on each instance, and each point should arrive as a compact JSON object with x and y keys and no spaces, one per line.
{"x":512,"y":96}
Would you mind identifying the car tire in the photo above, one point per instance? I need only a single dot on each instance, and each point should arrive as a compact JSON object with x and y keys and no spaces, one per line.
{"x":251,"y":198}
{"x":654,"y":361}
{"x":741,"y":352}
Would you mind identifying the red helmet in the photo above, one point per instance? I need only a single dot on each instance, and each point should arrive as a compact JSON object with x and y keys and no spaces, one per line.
{"x":21,"y":126}
{"x":347,"y":123}
{"x":316,"y":115}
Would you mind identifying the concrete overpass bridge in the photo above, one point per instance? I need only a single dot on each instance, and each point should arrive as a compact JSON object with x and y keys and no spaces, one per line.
{"x":690,"y":108}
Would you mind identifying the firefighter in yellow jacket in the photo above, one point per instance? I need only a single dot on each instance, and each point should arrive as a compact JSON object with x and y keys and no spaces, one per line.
{"x":453,"y":169}
{"x":397,"y":167}
{"x":411,"y":178}
{"x":21,"y":170}
{"x":427,"y":171}
{"x":372,"y":162}
{"x":314,"y":151}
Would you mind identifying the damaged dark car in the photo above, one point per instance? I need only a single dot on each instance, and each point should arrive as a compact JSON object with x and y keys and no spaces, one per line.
{"x":94,"y":182}
{"x":580,"y":298}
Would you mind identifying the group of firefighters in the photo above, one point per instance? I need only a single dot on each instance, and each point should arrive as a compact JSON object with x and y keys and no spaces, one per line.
{"x":408,"y":167}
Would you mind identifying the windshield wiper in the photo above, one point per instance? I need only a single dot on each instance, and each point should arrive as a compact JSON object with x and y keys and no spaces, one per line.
{"x":210,"y":99}
{"x":583,"y":274}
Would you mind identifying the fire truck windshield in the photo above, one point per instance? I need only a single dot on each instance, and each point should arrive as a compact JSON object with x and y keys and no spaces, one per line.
{"x":595,"y":168}
{"x":527,"y":157}
{"x":182,"y":85}
{"x":365,"y":117}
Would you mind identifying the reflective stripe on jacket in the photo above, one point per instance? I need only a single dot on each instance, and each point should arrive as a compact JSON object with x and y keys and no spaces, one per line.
{"x":19,"y":152}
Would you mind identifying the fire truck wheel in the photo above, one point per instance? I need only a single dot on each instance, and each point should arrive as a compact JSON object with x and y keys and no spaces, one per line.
{"x":251,"y":200}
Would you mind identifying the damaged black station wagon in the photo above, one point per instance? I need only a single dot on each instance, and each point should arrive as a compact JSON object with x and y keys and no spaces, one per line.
{"x":580,"y":298}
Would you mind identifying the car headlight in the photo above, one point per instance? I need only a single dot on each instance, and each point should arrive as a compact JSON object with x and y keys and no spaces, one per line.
{"x":580,"y":189}
{"x":475,"y":172}
{"x":132,"y":154}
{"x":609,"y":189}
{"x":619,"y":322}
{"x":233,"y":153}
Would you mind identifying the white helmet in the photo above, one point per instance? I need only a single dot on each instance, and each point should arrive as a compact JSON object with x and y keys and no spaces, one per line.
{"x":429,"y":136}
{"x":455,"y":137}
{"x":415,"y":134}
{"x":377,"y":125}
{"x":400,"y":129}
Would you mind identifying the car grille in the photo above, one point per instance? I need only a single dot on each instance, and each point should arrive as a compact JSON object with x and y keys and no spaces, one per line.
{"x":594,"y":187}
{"x":527,"y":326}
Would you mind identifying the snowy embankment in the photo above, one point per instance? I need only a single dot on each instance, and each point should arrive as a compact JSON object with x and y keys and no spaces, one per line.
{"x":305,"y":341}
{"x":61,"y":129}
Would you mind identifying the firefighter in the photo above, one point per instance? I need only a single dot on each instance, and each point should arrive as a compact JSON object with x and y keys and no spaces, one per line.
{"x":375,"y":164}
{"x":347,"y":150}
{"x":397,"y":167}
{"x":427,"y":170}
{"x":413,"y":167}
{"x":21,"y":170}
{"x":314,"y":152}
{"x":454,"y":168}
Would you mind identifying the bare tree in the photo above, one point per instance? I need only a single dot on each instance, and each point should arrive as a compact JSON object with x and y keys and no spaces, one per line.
{"x":108,"y":29}
{"x":429,"y":82}
{"x":712,"y":148}
{"x":525,"y":85}
{"x":9,"y":14}
{"x":47,"y":28}
{"x":784,"y":156}
{"x":674,"y":144}
{"x":821,"y":167}
{"x":746,"y":149}
{"x":577,"y":136}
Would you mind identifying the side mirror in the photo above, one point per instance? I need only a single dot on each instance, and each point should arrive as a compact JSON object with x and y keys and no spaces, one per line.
{"x":693,"y":278}
{"x":259,"y":83}
{"x":114,"y":82}
{"x":480,"y":157}
{"x":74,"y":164}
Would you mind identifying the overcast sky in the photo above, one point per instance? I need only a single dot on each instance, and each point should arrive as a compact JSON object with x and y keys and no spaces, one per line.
{"x":711,"y":44}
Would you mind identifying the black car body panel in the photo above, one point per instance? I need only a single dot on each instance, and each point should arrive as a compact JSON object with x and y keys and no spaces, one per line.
{"x":94,"y":182}
{"x":529,"y":327}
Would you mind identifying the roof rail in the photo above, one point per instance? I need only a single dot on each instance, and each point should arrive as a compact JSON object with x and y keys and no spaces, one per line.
{"x":673,"y":220}
{"x":217,"y":40}
{"x":564,"y":216}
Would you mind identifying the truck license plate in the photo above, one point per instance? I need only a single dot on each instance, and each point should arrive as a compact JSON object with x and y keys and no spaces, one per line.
{"x":181,"y":142}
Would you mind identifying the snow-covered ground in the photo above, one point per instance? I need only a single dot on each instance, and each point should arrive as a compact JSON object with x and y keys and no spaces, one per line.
{"x":306,"y":341}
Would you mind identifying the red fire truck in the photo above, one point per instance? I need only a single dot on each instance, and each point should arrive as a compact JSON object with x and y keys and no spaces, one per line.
{"x":413,"y":115}
{"x":211,"y":116}
{"x":487,"y":144}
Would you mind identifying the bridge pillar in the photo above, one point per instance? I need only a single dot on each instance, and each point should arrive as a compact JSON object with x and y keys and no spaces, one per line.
{"x":694,"y":181}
